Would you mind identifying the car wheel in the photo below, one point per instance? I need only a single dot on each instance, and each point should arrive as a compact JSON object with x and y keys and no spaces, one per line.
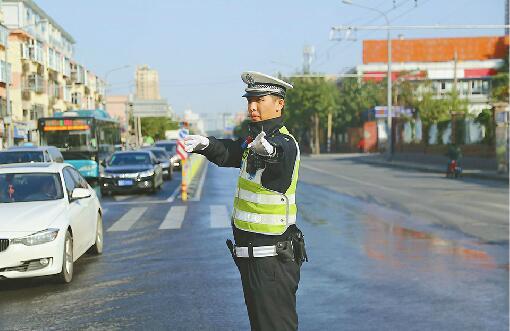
{"x":66,"y":275}
{"x":97,"y":248}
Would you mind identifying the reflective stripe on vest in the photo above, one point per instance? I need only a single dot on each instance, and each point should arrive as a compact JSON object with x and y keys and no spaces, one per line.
{"x":258,"y":209}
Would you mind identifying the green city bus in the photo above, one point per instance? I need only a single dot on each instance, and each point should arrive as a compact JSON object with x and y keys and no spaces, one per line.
{"x":84,"y":137}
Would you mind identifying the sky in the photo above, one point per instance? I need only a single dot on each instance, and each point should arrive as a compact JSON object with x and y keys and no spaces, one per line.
{"x":200,"y":48}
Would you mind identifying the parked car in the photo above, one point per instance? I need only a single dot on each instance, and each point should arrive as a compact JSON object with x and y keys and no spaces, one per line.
{"x":130,"y":171}
{"x":165,"y":159}
{"x":50,"y":217}
{"x":23,"y":154}
{"x":171,"y":148}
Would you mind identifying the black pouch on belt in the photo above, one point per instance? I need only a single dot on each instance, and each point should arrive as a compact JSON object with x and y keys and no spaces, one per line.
{"x":284,"y":251}
{"x":298,"y":241}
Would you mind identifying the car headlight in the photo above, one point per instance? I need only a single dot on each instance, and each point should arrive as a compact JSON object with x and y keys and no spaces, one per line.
{"x":147,"y":173}
{"x":38,"y":238}
{"x":103,"y":175}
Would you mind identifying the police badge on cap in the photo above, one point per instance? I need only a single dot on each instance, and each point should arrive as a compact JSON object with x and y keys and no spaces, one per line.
{"x":260,"y":84}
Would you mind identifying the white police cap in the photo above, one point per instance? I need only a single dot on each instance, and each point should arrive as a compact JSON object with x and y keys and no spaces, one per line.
{"x":260,"y":84}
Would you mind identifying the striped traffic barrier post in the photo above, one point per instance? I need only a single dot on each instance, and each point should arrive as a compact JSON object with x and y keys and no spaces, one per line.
{"x":183,"y":155}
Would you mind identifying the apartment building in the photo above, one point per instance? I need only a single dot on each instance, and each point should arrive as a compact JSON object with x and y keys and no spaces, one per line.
{"x":45,"y":76}
{"x":147,"y":83}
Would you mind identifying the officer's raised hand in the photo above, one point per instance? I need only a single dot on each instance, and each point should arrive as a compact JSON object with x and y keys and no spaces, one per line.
{"x":261,"y":146}
{"x":193,"y":143}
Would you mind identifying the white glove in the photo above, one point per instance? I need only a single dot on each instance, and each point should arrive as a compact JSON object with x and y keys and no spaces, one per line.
{"x":261,"y":146}
{"x":193,"y":143}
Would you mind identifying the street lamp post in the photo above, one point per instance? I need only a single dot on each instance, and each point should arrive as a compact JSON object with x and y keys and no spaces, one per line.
{"x":389,"y":94}
{"x":106,"y":78}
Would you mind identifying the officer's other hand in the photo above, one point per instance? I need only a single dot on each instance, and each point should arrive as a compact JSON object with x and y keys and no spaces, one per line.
{"x":261,"y":146}
{"x":193,"y":143}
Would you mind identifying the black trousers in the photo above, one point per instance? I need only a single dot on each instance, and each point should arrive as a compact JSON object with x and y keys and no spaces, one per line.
{"x":270,"y":286}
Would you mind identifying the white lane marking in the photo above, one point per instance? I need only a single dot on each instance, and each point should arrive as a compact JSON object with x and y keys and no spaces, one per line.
{"x":174,"y":218}
{"x":198,"y":193}
{"x":220,"y":217}
{"x":174,"y":194}
{"x":151,"y":202}
{"x":128,"y":219}
{"x":121,"y":197}
{"x":329,"y":173}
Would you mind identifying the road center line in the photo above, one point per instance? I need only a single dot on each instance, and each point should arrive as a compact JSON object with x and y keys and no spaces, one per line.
{"x":174,"y":218}
{"x":129,"y":218}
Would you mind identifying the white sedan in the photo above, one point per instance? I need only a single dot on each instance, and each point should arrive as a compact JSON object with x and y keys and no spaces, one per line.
{"x":50,"y":216}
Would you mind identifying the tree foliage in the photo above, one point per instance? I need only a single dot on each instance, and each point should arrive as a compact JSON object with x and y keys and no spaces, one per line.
{"x":155,"y":127}
{"x":307,"y":105}
{"x":500,"y":84}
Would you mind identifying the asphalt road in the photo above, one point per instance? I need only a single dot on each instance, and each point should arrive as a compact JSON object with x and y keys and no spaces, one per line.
{"x":386,"y":253}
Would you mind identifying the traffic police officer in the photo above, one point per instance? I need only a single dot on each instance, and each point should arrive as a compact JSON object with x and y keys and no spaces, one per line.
{"x":269,"y":248}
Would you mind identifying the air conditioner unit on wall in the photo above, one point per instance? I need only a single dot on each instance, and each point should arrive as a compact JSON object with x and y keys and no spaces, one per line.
{"x":25,"y":67}
{"x":26,"y":95}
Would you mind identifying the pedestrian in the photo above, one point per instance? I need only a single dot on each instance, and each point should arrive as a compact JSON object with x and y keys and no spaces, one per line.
{"x":269,"y":248}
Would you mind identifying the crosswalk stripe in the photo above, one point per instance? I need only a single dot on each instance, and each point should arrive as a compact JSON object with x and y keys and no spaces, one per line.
{"x":174,"y":218}
{"x":121,"y":197}
{"x":220,"y":217}
{"x":128,"y":219}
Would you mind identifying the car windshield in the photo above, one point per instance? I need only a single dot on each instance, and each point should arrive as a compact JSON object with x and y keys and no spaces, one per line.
{"x":25,"y":187}
{"x":170,"y":147}
{"x":160,"y":154}
{"x":21,"y":157}
{"x":130,"y":159}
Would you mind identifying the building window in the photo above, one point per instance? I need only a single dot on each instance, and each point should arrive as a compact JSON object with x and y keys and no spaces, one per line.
{"x":76,"y":98}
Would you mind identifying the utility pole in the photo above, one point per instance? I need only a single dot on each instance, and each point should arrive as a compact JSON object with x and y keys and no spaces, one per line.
{"x":389,"y":112}
{"x":330,"y":120}
{"x":507,"y":15}
{"x":454,"y":96}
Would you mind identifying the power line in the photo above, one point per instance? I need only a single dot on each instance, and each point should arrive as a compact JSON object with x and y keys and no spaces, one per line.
{"x":364,"y":34}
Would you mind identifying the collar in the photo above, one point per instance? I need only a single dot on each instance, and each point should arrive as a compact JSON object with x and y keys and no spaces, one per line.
{"x":269,"y":126}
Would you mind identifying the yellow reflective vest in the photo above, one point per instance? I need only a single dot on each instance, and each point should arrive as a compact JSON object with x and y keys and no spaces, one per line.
{"x":258,"y":209}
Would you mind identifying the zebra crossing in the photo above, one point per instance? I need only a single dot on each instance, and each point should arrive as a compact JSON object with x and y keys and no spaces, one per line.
{"x":219,"y":218}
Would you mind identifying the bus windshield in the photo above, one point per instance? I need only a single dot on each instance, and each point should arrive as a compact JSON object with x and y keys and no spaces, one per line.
{"x":70,"y":140}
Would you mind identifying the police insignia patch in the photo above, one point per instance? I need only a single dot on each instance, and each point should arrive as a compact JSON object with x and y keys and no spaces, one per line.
{"x":250,"y":80}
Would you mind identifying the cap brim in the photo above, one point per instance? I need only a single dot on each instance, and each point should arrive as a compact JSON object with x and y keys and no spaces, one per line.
{"x":261,"y":94}
{"x":256,"y":94}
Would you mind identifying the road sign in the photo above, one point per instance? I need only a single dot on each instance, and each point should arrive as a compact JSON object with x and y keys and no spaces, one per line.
{"x":183,"y":155}
{"x":183,"y":133}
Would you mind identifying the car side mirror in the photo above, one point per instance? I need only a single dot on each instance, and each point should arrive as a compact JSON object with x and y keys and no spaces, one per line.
{"x":80,"y":193}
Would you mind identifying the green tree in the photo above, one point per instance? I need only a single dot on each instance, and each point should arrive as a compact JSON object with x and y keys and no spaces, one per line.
{"x":307,"y":106}
{"x":500,"y":84}
{"x":155,"y":127}
{"x":355,"y":97}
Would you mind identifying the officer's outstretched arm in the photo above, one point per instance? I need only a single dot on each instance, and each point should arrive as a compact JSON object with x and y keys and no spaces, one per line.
{"x":222,"y":152}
